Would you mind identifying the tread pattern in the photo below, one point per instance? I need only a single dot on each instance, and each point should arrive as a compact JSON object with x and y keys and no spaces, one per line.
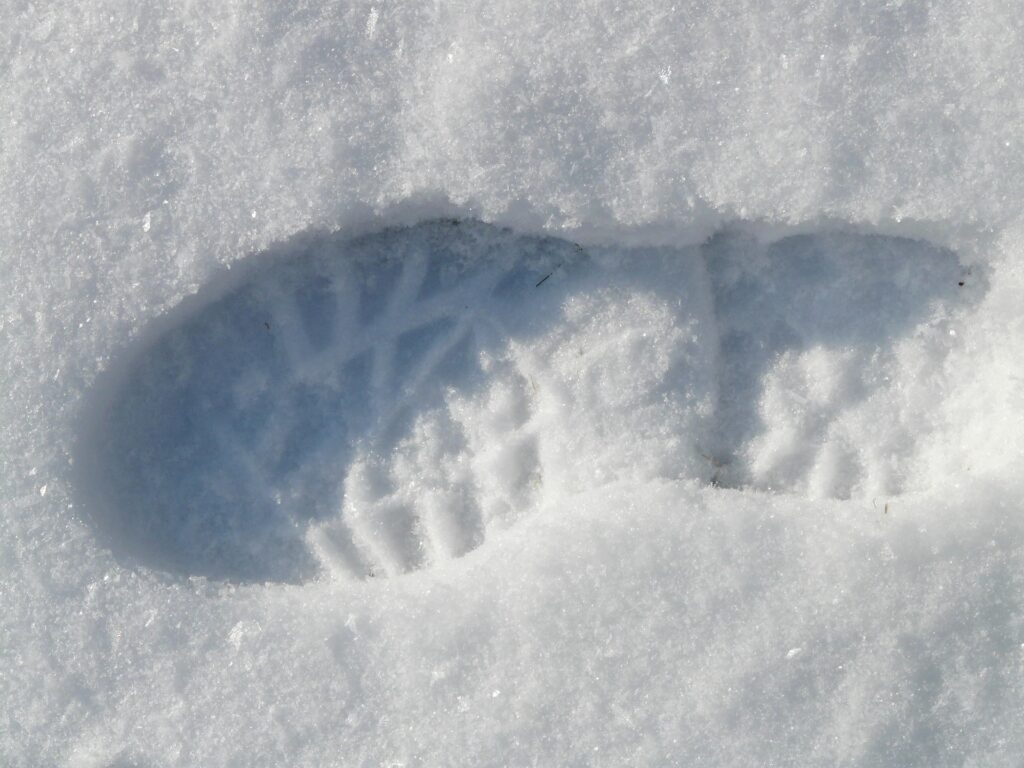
{"x":374,"y":407}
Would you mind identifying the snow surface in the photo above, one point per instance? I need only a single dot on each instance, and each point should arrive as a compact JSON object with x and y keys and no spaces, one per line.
{"x":687,"y":429}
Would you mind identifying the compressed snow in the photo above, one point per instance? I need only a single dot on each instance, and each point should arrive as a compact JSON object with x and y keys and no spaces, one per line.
{"x":730,"y":476}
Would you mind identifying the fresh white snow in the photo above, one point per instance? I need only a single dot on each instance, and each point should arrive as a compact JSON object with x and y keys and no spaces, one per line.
{"x":511,"y":384}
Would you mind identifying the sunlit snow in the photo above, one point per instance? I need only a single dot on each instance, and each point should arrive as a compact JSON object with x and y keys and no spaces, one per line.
{"x":511,"y":384}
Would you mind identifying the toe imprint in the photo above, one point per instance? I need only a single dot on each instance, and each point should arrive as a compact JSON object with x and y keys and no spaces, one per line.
{"x":378,"y":406}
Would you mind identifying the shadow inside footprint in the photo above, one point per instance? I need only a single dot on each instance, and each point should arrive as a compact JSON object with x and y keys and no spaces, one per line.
{"x":374,"y":406}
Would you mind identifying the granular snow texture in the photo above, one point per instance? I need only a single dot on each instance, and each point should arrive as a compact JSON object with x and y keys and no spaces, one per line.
{"x":511,"y":384}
